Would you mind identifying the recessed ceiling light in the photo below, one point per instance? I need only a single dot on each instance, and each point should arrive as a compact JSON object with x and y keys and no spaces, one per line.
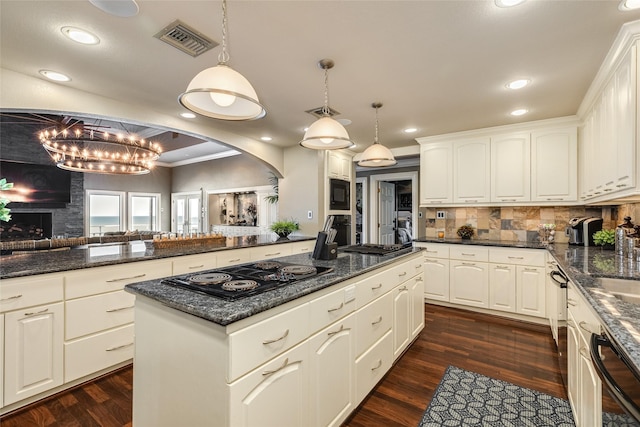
{"x":508,"y":3}
{"x":188,"y":115}
{"x":80,"y":36}
{"x":518,"y":84}
{"x":55,"y":76}
{"x":519,"y":112}
{"x":629,"y":5}
{"x":344,"y":122}
{"x":122,"y":8}
{"x":410,"y":130}
{"x":266,"y":138}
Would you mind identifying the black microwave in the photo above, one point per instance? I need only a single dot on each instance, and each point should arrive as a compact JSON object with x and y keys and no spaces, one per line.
{"x":339,"y":195}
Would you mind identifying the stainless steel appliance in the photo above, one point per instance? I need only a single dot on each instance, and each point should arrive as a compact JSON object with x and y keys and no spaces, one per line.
{"x":559,"y":319}
{"x":373,"y":249}
{"x":339,"y":195}
{"x":580,"y":230}
{"x":620,"y":380}
{"x":245,"y":280}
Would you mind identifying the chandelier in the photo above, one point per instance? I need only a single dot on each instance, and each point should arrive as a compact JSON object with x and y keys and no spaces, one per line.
{"x":326,"y":133}
{"x":220,"y":92}
{"x":377,"y":155}
{"x":83,"y":149}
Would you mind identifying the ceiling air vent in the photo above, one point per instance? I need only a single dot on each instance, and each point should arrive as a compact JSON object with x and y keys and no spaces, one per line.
{"x":317,"y":112}
{"x":181,"y":36}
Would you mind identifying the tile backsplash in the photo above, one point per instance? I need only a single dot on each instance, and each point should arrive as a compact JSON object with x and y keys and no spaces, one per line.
{"x":520,"y":223}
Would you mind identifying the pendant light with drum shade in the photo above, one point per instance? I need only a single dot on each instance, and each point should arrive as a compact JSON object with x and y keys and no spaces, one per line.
{"x":326,"y":133}
{"x":220,"y":92}
{"x":377,"y":155}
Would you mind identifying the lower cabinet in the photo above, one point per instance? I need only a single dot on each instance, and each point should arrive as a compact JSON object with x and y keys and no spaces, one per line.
{"x":530,"y":290}
{"x":502,"y":287}
{"x":436,"y":278}
{"x":469,"y":283}
{"x":373,"y":364}
{"x":33,"y":351}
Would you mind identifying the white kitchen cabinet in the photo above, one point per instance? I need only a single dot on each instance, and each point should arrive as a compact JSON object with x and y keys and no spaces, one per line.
{"x":194,"y":263}
{"x":270,"y":251}
{"x":275,"y":394}
{"x":471,"y":171}
{"x":554,"y":165}
{"x":530,"y":290}
{"x":436,"y":279}
{"x":401,"y":319}
{"x":372,"y":365}
{"x":436,"y":173}
{"x":373,"y":321}
{"x":469,"y":283}
{"x":511,"y":168}
{"x":33,"y":359}
{"x":338,"y":165}
{"x":626,"y":114}
{"x":233,"y":257}
{"x":95,"y":313}
{"x":573,"y":367}
{"x":502,"y":287}
{"x":416,"y":320}
{"x":332,"y":373}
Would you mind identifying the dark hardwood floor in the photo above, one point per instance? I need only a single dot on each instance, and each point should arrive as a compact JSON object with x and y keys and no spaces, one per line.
{"x":518,"y":352}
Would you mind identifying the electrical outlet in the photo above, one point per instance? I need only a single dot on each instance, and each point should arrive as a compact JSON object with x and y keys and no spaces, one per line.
{"x":441,"y":215}
{"x":310,"y":215}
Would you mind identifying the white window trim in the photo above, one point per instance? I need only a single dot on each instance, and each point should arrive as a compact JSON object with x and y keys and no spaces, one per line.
{"x":157,"y":196}
{"x":87,"y":206}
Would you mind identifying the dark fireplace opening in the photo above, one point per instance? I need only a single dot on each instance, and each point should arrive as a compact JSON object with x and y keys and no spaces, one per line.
{"x":27,"y":226}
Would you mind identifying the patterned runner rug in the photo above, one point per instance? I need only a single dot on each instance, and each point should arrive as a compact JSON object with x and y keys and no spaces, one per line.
{"x":465,"y":398}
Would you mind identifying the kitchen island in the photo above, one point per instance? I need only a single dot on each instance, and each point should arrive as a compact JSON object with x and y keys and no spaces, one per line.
{"x":303,"y":354}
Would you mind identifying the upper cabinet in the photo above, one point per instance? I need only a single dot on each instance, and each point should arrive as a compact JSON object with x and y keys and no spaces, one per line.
{"x":339,"y":165}
{"x":609,"y":134}
{"x":530,"y":163}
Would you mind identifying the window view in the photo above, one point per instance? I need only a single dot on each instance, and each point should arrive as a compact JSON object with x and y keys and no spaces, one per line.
{"x":105,"y":213}
{"x":143,"y":212}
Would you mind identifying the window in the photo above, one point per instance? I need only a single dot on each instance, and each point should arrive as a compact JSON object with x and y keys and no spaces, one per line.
{"x":144,"y":211}
{"x":105,"y":212}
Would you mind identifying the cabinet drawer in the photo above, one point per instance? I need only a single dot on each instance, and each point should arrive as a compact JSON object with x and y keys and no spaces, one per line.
{"x":329,"y":308}
{"x":434,"y":250}
{"x":99,"y":312}
{"x":91,"y":354}
{"x":270,"y":251}
{"x":193,"y":263}
{"x":30,"y":291}
{"x":517,"y":256}
{"x":97,"y":280}
{"x":469,"y":253}
{"x":371,"y":367}
{"x":375,"y":286}
{"x":407,"y":270}
{"x":373,"y":321}
{"x":302,"y":247}
{"x":233,"y":257}
{"x":255,"y":344}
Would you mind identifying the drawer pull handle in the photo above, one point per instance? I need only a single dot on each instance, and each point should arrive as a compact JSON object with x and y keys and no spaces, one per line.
{"x":431,"y":252}
{"x":332,"y":333}
{"x":502,"y":267}
{"x":554,"y":199}
{"x":468,"y":254}
{"x":127,"y":278}
{"x":571,"y":302}
{"x":419,"y":279}
{"x":515,"y":257}
{"x":378,"y":366}
{"x":10,"y":298}
{"x":277,"y":339}
{"x":373,"y":288}
{"x":337,"y":308}
{"x":530,"y":269}
{"x":469,"y":263}
{"x":621,"y":185}
{"x":36,"y":312}
{"x":418,"y":266}
{"x":404,"y":273}
{"x":234,"y":260}
{"x":273,"y":254}
{"x":111,"y":310}
{"x":119,"y":347}
{"x":284,"y":365}
{"x":404,"y":288}
{"x":508,"y":200}
{"x":377,"y":321}
{"x":197,"y":266}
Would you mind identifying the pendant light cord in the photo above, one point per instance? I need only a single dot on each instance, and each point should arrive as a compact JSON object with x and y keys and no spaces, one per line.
{"x":223,"y":56}
{"x":325,"y":108}
{"x":375,"y":139}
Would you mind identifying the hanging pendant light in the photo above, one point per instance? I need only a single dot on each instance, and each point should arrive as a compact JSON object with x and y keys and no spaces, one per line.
{"x":220,"y":92}
{"x":377,"y":155}
{"x":326,"y":133}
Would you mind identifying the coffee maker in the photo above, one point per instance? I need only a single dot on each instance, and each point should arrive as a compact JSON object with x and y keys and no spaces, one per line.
{"x":580,"y":230}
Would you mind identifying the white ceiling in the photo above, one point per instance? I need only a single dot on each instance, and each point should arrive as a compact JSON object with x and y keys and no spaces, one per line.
{"x":440,"y":66}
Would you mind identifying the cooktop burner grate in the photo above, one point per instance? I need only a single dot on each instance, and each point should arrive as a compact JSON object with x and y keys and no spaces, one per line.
{"x":374,"y":249}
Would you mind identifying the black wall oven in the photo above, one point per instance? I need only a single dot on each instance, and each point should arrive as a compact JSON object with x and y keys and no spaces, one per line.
{"x":339,"y":195}
{"x":620,"y":382}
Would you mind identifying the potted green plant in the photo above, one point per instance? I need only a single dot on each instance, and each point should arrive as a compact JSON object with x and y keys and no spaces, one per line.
{"x":465,"y":231}
{"x":605,"y":238}
{"x":284,"y":227}
{"x":4,"y":211}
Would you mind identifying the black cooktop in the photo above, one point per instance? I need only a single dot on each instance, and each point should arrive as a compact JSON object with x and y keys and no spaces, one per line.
{"x":245,"y":280}
{"x":375,"y":249}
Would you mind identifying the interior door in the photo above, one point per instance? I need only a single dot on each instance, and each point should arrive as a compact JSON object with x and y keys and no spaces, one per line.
{"x":387,"y":228}
{"x":186,"y":216}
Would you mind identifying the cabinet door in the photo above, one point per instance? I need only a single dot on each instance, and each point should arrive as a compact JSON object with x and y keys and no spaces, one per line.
{"x":436,"y":277}
{"x":573,"y":362}
{"x":626,"y":115}
{"x":471,"y":171}
{"x":510,"y":168}
{"x":590,"y":390}
{"x":339,"y":166}
{"x":332,"y":373}
{"x":276,"y":394}
{"x":436,"y":174}
{"x":469,"y":283}
{"x":417,"y":305}
{"x":33,"y":351}
{"x":530,"y":290}
{"x":554,"y":165}
{"x":502,"y":287}
{"x":401,"y":318}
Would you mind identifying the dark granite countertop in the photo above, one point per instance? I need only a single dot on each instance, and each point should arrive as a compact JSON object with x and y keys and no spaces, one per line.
{"x":483,"y":242}
{"x":345,"y":266}
{"x":42,"y":262}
